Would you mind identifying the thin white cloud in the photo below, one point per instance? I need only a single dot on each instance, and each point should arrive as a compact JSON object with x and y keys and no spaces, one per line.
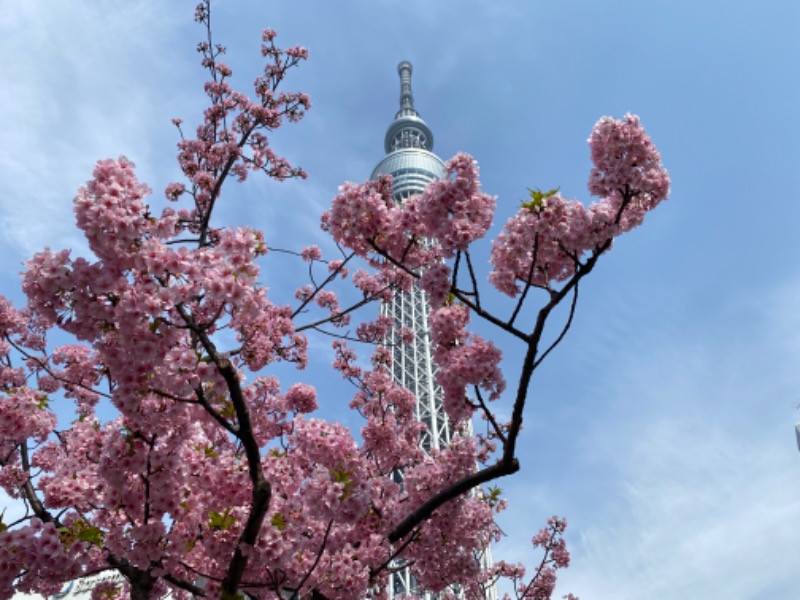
{"x":700,"y":515}
{"x":678,"y":469}
{"x":697,"y":447}
{"x":74,"y":91}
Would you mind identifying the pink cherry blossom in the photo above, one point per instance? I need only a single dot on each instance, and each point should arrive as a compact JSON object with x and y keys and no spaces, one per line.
{"x":186,"y":459}
{"x":454,"y":211}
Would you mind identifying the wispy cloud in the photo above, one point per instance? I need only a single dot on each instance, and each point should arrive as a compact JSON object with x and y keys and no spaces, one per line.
{"x":686,"y":481}
{"x":74,"y":90}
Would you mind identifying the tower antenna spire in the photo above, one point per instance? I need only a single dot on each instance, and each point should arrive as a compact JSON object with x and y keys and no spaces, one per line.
{"x":405,"y":69}
{"x":408,"y":130}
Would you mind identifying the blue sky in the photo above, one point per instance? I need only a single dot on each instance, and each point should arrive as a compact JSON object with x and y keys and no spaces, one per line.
{"x":663,"y":426}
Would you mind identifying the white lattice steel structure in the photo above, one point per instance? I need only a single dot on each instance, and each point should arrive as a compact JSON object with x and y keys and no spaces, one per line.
{"x":412,"y":164}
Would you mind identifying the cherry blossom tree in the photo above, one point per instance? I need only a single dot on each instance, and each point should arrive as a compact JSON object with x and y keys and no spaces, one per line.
{"x":213,"y":479}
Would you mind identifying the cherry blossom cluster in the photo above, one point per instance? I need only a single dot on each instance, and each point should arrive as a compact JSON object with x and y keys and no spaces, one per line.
{"x":391,"y":434}
{"x":165,"y":487}
{"x":445,"y":552}
{"x":25,"y":415}
{"x":540,"y":244}
{"x":555,"y":556}
{"x":209,"y":468}
{"x":545,"y":241}
{"x":233,"y":136}
{"x":36,"y":557}
{"x":453,"y":211}
{"x":363,"y":215}
{"x":112,"y":213}
{"x":448,"y":216}
{"x":626,"y":162}
{"x":464,"y":359}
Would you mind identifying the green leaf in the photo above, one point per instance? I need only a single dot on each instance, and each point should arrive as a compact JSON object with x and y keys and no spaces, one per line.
{"x":111,"y":593}
{"x":278,"y":522}
{"x":209,"y":451}
{"x":228,"y":411}
{"x":81,"y":531}
{"x":93,"y":535}
{"x":343,"y":476}
{"x":222,"y":521}
{"x":492,"y":496}
{"x":538,"y":198}
{"x":44,"y":403}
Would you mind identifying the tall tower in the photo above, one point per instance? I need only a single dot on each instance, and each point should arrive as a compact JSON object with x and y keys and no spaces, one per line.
{"x":412,"y":164}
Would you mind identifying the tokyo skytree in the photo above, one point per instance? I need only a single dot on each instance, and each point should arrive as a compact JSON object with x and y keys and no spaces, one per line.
{"x":413,"y":165}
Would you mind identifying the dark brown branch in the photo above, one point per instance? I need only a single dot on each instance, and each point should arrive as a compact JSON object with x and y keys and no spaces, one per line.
{"x":201,"y":400}
{"x":487,"y":316}
{"x":489,"y":416}
{"x":456,"y":267}
{"x":141,"y":581}
{"x":385,"y":565}
{"x":185,"y":585}
{"x":182,"y":241}
{"x":528,"y":284}
{"x":508,"y":463}
{"x":318,"y":557}
{"x":564,"y":330}
{"x":146,"y":479}
{"x":261,"y":488}
{"x":317,"y":289}
{"x":462,"y":296}
{"x":473,"y":279}
{"x":342,"y":336}
{"x":544,"y":561}
{"x":244,"y":137}
{"x":42,"y":364}
{"x":338,"y":315}
{"x":460,"y":487}
{"x":28,"y":490}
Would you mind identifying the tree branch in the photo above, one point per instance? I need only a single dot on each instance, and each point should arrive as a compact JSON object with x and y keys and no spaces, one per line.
{"x":261,"y":492}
